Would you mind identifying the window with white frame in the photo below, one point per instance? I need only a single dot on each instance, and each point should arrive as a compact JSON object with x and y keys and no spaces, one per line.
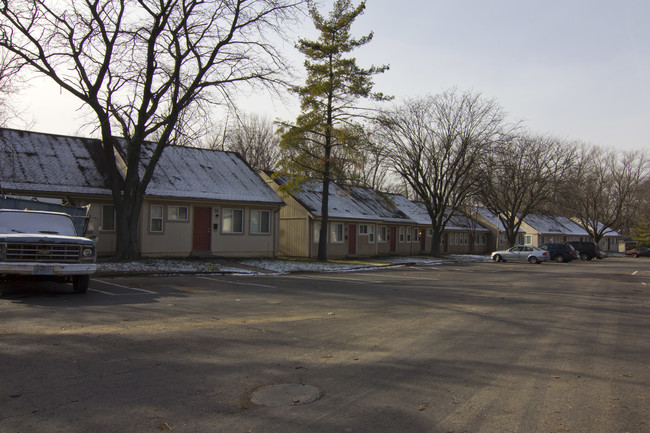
{"x":156,"y":218}
{"x":401,"y":234}
{"x":107,"y":218}
{"x":260,"y":222}
{"x":177,"y":213}
{"x":408,"y":234}
{"x":336,"y":233}
{"x":479,"y":239}
{"x":430,"y":232}
{"x":316,"y":232}
{"x":369,"y":230}
{"x":232,"y":221}
{"x":382,"y":234}
{"x":416,"y":234}
{"x":528,"y":240}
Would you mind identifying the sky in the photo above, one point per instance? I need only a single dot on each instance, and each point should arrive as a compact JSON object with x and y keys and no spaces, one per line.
{"x":574,"y":69}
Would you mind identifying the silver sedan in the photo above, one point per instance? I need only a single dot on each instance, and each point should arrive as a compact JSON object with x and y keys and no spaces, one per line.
{"x":521,"y":253}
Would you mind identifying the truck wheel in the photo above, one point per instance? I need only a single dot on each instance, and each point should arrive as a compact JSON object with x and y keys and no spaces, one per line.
{"x":80,"y":283}
{"x":584,"y":256}
{"x":559,"y":258}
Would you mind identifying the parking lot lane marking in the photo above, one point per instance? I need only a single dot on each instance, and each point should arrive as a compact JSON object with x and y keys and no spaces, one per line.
{"x":126,"y":287}
{"x":103,"y":292}
{"x":240,"y":284}
{"x":635,"y":272}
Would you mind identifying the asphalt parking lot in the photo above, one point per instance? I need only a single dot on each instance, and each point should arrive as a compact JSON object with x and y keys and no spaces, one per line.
{"x":474,"y":347}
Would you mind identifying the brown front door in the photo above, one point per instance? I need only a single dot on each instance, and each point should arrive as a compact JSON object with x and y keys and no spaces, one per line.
{"x":201,"y":234}
{"x":393,"y":239}
{"x":423,"y":240}
{"x":352,"y":239}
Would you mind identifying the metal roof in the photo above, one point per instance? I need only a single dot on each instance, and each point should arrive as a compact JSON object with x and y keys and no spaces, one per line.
{"x":39,"y":162}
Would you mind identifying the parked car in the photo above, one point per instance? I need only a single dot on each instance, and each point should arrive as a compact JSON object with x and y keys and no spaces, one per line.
{"x":521,"y":253}
{"x":44,"y":245}
{"x":560,"y":252}
{"x":638,"y":252}
{"x":586,"y":250}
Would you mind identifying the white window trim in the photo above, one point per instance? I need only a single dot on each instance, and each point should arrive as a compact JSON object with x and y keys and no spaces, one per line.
{"x":161,"y":218}
{"x":224,"y":211}
{"x":333,"y":240}
{"x":267,"y":212}
{"x":169,"y":213}
{"x":383,"y":239}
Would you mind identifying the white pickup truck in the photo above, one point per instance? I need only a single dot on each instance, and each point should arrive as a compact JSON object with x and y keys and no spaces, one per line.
{"x":45,"y":245}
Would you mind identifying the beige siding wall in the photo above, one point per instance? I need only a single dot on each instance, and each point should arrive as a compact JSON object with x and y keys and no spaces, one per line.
{"x":176,"y":237}
{"x":294,"y":237}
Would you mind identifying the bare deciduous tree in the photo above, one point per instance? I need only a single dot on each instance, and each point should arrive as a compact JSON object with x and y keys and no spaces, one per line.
{"x":139,"y":66}
{"x":436,"y":144}
{"x":523,"y":175}
{"x":606,"y":187}
{"x":254,"y":138}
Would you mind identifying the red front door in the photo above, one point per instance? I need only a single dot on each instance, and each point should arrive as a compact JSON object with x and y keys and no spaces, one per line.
{"x":352,"y":239}
{"x":201,"y":233}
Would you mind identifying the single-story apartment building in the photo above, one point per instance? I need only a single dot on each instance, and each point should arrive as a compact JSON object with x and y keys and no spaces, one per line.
{"x":362,"y":222}
{"x":199,"y":201}
{"x":461,"y":235}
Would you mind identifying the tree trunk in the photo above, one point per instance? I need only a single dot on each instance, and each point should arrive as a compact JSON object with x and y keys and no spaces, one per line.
{"x":436,"y":237}
{"x":322,"y":238}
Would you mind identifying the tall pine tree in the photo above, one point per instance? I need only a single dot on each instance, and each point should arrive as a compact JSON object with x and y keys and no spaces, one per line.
{"x":325,"y":135}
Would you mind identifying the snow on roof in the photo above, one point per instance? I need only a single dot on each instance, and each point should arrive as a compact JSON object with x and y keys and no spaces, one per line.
{"x":51,"y":163}
{"x":32,"y":161}
{"x":417,"y":211}
{"x":608,"y":232}
{"x":347,"y":202}
{"x":208,"y":174}
{"x":487,"y":215}
{"x":547,"y":224}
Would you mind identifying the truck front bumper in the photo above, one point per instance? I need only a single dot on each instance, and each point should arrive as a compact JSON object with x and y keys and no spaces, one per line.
{"x":45,"y":269}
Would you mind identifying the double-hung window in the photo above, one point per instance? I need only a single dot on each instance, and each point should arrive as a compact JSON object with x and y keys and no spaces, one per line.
{"x":260,"y":222}
{"x":382,"y":234}
{"x":156,"y":218}
{"x":336,"y":233}
{"x":232,"y":221}
{"x":316,"y":232}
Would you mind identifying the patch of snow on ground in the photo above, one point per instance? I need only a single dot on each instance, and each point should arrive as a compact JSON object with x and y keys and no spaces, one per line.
{"x":287,"y":266}
{"x":280,"y":266}
{"x":469,"y":258}
{"x":166,"y":266}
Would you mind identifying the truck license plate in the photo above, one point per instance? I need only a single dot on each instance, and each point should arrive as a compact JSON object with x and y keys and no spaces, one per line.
{"x":43,"y":270}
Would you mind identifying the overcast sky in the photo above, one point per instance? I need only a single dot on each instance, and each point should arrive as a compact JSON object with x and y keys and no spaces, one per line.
{"x":577,"y":69}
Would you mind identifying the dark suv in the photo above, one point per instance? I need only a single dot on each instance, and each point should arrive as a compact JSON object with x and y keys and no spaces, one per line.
{"x":561,"y":252}
{"x":586,"y":250}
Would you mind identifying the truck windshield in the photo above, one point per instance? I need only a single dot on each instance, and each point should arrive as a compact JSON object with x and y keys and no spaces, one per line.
{"x":36,"y":223}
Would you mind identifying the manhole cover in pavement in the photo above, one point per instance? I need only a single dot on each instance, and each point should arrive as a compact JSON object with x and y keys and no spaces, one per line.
{"x":285,"y":395}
